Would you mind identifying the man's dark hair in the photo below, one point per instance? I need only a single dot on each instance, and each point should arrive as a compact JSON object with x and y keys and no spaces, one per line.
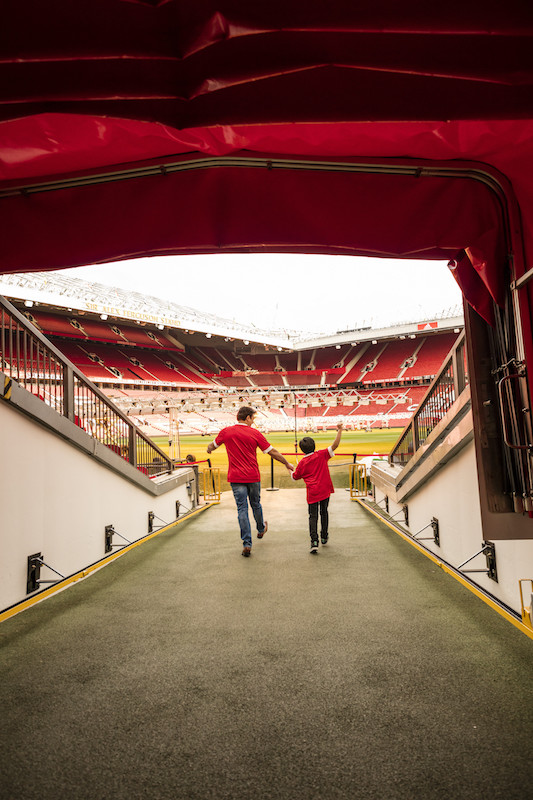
{"x":244,"y":412}
{"x":307,"y":445}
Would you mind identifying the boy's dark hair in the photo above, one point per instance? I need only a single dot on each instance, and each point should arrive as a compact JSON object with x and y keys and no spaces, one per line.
{"x":307,"y":445}
{"x":244,"y":412}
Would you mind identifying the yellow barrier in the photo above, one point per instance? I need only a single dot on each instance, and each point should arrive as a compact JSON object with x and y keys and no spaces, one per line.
{"x":527,"y":615}
{"x":358,"y":483}
{"x":211,"y":480}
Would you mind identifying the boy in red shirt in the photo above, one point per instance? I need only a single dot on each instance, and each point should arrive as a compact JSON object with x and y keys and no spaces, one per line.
{"x":314,"y":470}
{"x":242,"y":441}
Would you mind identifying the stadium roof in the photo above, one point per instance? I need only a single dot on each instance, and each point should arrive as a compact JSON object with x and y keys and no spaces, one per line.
{"x":186,"y":126}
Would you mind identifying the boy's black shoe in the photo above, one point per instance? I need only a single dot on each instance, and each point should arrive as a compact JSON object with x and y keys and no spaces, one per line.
{"x":324,"y":539}
{"x":314,"y":546}
{"x":246,"y":551}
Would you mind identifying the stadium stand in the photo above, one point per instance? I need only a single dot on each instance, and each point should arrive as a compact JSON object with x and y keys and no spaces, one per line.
{"x":430,"y":355}
{"x":391,"y":358}
{"x":305,"y":378}
{"x":82,"y":327}
{"x":265,"y":362}
{"x":237,"y":381}
{"x":364,"y":362}
{"x":376,"y":382}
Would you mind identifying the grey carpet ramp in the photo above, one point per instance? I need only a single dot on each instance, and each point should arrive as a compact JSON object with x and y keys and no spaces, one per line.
{"x":183,"y":670}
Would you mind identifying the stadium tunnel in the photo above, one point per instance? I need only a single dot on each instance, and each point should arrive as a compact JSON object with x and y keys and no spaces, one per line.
{"x":315,"y":133}
{"x":467,"y":212}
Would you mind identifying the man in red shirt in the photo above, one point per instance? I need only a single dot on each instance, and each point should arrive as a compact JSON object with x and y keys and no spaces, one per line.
{"x":314,"y":470}
{"x":242,"y":441}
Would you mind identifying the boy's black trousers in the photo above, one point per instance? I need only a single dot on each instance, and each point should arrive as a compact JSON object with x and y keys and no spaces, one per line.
{"x":314,"y":509}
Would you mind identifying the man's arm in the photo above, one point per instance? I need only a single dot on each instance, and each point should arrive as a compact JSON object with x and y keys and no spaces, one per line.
{"x":275,"y":454}
{"x":210,"y":447}
{"x":337,"y":441}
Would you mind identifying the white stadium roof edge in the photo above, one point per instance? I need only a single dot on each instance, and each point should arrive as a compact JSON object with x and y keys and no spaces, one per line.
{"x":75,"y":294}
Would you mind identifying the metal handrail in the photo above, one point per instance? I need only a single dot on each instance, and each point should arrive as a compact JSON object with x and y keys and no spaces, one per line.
{"x":30,"y":359}
{"x":444,"y":390}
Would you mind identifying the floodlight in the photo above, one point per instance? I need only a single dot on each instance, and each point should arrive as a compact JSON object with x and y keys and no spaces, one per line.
{"x":103,"y":316}
{"x":28,"y":303}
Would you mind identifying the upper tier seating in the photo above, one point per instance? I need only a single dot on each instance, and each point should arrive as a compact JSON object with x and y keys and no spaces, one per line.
{"x":324,"y":358}
{"x":110,"y":362}
{"x":94,"y":370}
{"x":264,"y":362}
{"x":356,"y":373}
{"x":135,"y":353}
{"x":390,"y":360}
{"x":79,"y":327}
{"x":431,"y":355}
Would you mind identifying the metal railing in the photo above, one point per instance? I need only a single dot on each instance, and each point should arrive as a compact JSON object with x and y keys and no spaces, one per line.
{"x":28,"y":358}
{"x":439,"y":398}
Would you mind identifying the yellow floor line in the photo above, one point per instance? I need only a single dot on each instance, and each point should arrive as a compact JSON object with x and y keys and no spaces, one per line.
{"x":432,"y":557}
{"x":60,"y":585}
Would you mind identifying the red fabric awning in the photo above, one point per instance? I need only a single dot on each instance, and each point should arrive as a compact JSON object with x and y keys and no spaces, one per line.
{"x":216,"y":208}
{"x":100,"y":85}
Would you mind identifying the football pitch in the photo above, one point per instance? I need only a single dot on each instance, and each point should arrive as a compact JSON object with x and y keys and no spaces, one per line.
{"x":361,"y":443}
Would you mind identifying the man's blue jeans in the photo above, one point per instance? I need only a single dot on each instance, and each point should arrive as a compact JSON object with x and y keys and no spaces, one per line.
{"x":243,"y":492}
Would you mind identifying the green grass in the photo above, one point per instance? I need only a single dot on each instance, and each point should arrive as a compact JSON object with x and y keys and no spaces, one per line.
{"x":359,"y":442}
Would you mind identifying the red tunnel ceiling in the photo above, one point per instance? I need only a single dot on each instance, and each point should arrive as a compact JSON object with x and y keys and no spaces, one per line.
{"x":98,"y":86}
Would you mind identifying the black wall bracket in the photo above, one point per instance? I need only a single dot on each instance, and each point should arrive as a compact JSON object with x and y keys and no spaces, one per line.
{"x":436,"y":533}
{"x":151,"y":517}
{"x":33,"y":574}
{"x":109,"y":533}
{"x":489,"y":550}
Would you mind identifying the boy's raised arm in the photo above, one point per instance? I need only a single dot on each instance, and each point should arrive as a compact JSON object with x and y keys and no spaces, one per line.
{"x":336,"y":443}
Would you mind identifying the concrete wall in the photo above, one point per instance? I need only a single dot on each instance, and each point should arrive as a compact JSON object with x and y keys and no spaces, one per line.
{"x":56,"y":499}
{"x":452,"y":497}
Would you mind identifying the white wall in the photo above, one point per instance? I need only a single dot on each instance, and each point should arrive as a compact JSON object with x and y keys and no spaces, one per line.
{"x":57,"y":500}
{"x":452,"y":496}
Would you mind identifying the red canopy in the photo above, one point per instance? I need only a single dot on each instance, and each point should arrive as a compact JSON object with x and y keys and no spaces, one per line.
{"x":199,"y":88}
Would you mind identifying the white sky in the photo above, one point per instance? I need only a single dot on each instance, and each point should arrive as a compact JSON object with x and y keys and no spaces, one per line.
{"x":299,"y":292}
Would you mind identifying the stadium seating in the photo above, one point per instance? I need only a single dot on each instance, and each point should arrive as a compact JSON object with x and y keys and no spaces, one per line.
{"x":325,"y":358}
{"x":107,"y":362}
{"x":431,"y":355}
{"x":367,"y":355}
{"x":77,"y":326}
{"x":263,"y":362}
{"x":199,"y":380}
{"x":390,"y":360}
{"x":307,"y":378}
